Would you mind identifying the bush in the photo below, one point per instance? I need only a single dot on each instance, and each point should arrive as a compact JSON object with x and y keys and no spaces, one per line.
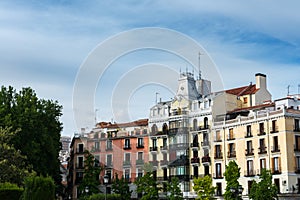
{"x":102,"y":197}
{"x":9,"y":191}
{"x":39,"y":188}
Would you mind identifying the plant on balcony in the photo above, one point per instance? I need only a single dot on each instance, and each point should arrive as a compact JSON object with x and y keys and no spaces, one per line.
{"x":204,"y":188}
{"x":174,"y":190}
{"x":121,"y":187}
{"x":264,"y":189}
{"x":90,"y":175}
{"x":232,"y":174}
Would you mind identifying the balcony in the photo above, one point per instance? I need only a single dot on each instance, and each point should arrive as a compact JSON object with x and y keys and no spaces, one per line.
{"x":231,"y":154}
{"x":262,"y":150}
{"x":249,"y":173}
{"x":261,"y":132}
{"x":181,"y":161}
{"x":179,"y":146}
{"x":164,"y":163}
{"x":127,"y":147}
{"x":297,"y":170}
{"x":180,"y":177}
{"x":79,"y":165}
{"x":80,"y":150}
{"x":109,"y":165}
{"x":217,"y":176}
{"x":153,"y":149}
{"x":205,"y":159}
{"x":140,"y":146}
{"x":139,"y":162}
{"x":126,"y":163}
{"x":163,"y":148}
{"x":218,"y":155}
{"x":276,"y":170}
{"x":205,"y":143}
{"x":109,"y":148}
{"x":274,"y":129}
{"x":229,"y":138}
{"x":202,"y":128}
{"x":154,"y":163}
{"x":195,"y":144}
{"x":249,"y":152}
{"x":275,"y":149}
{"x":297,"y":148}
{"x":248,"y":135}
{"x":296,"y":129}
{"x":195,"y":160}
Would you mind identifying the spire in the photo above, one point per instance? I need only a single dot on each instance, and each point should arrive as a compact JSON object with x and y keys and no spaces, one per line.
{"x":199,"y":65}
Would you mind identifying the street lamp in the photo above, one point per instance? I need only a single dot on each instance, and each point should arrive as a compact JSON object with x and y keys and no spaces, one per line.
{"x":105,"y":180}
{"x":237,"y":191}
{"x":86,"y":190}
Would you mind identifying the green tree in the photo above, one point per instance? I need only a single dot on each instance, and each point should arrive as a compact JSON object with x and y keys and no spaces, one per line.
{"x":120,"y":186}
{"x":174,"y":190}
{"x":264,"y":189}
{"x":147,"y":186}
{"x":90,"y":175}
{"x":39,"y":188}
{"x":204,"y":188}
{"x":12,"y":164}
{"x":39,"y":125}
{"x":232,"y":174}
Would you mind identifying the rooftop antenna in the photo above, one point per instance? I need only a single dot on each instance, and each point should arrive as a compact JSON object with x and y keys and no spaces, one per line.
{"x":96,"y":116}
{"x":298,"y":89}
{"x":288,"y":90}
{"x":199,"y":62}
{"x":156,"y":97}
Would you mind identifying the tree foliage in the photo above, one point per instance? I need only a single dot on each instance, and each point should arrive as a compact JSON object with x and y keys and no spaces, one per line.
{"x":39,"y":125}
{"x":147,"y":186}
{"x":120,"y":186}
{"x":39,"y":188}
{"x":232,"y":174}
{"x":9,"y":191}
{"x":13,"y":166}
{"x":174,"y":190}
{"x":90,"y":175}
{"x":263,"y":189}
{"x":204,"y":188}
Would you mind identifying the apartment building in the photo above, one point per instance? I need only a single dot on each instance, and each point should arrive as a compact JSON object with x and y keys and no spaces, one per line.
{"x":263,"y":136}
{"x":121,"y":149}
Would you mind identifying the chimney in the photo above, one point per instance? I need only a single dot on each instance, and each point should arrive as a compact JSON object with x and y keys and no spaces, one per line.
{"x":261,"y":81}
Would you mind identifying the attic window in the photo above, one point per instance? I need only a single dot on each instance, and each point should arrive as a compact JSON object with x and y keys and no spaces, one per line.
{"x":245,"y":100}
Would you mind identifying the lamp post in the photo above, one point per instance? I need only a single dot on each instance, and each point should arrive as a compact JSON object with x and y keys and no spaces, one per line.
{"x":105,"y":180}
{"x":237,"y":191}
{"x":86,"y":190}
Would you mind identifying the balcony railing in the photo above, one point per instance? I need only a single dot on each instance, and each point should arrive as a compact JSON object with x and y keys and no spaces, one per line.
{"x":249,"y":172}
{"x":109,"y":165}
{"x":180,"y":177}
{"x":153,"y":148}
{"x":275,"y":149}
{"x":140,"y":146}
{"x":153,"y":163}
{"x":261,"y":132}
{"x":274,"y":129}
{"x":205,"y":159}
{"x":79,"y":165}
{"x":297,"y":129}
{"x":297,"y":148}
{"x":205,"y":143}
{"x":109,"y":148}
{"x":139,"y":162}
{"x":194,"y":144}
{"x":164,"y":148}
{"x":248,"y":135}
{"x":217,"y":176}
{"x":195,"y":160}
{"x":126,"y":147}
{"x":218,"y":155}
{"x":276,"y":170}
{"x":126,"y":163}
{"x":164,"y":162}
{"x":182,"y":130}
{"x":249,"y":152}
{"x":80,"y":150}
{"x":262,"y":150}
{"x":297,"y":170}
{"x":231,"y":154}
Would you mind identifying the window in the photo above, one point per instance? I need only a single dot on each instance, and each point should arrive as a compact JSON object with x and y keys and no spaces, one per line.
{"x":109,"y":160}
{"x":297,"y":127}
{"x":154,"y":129}
{"x":140,"y":155}
{"x":180,"y":170}
{"x":80,"y":162}
{"x":249,"y":134}
{"x":262,"y":147}
{"x":231,"y":135}
{"x":127,"y":174}
{"x":154,"y":157}
{"x":97,"y":161}
{"x":140,"y":173}
{"x":97,"y":146}
{"x":219,"y":189}
{"x":245,"y":100}
{"x":127,"y":143}
{"x":298,"y":163}
{"x":195,"y":124}
{"x":80,"y":148}
{"x":297,"y":143}
{"x":263,"y":164}
{"x":165,"y":174}
{"x":154,"y":143}
{"x":231,"y":148}
{"x":109,"y":174}
{"x":218,"y":170}
{"x":205,"y":122}
{"x":218,"y":136}
{"x":276,"y":165}
{"x":165,"y":142}
{"x":165,"y":156}
{"x":195,"y":154}
{"x":218,"y":153}
{"x":127,"y":156}
{"x":250,"y":171}
{"x":274,"y":128}
{"x":261,"y":129}
{"x":196,"y":172}
{"x":275,"y":144}
{"x":249,"y":150}
{"x":140,"y":142}
{"x":109,"y":145}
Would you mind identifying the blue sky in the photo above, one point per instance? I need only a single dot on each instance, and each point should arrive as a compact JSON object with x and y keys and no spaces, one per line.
{"x":44,"y":43}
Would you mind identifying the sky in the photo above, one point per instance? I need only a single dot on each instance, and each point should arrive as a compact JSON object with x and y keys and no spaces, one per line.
{"x":46,"y":44}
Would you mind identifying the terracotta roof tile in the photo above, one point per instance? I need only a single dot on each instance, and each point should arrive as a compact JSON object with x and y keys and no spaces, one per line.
{"x":240,"y":91}
{"x":141,"y":122}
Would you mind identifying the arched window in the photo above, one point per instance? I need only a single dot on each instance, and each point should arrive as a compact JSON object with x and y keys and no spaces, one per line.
{"x":165,"y":128}
{"x":205,"y":122}
{"x":154,"y":129}
{"x":195,"y":122}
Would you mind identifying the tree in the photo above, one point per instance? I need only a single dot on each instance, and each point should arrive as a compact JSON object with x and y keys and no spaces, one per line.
{"x":204,"y":188}
{"x":90,"y":175}
{"x":12,"y":164}
{"x":39,"y":125}
{"x":232,"y":174}
{"x":148,"y":186}
{"x":120,"y":186}
{"x":39,"y":188}
{"x":174,"y":190}
{"x":263,"y":189}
